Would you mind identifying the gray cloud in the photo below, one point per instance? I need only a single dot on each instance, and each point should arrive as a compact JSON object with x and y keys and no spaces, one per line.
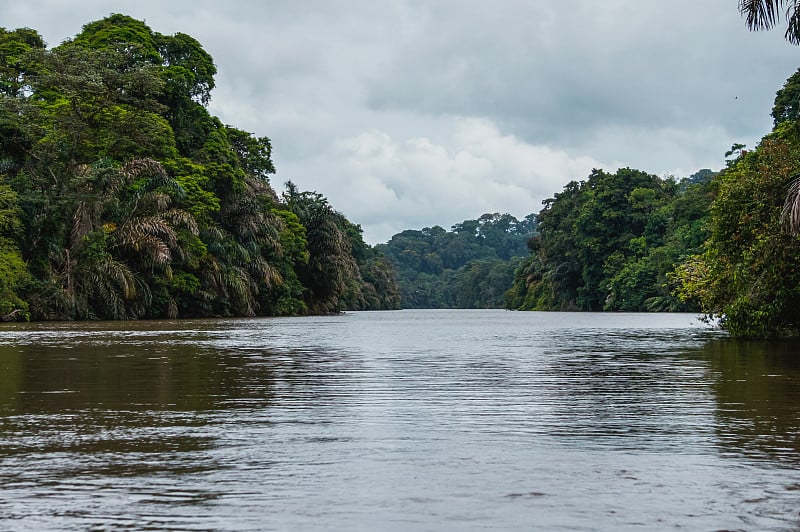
{"x":589,"y":65}
{"x":410,"y":113}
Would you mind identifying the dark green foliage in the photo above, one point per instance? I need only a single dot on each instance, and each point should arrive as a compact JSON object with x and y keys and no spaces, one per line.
{"x":468,"y":267}
{"x":122,"y":197}
{"x":482,"y":283}
{"x":748,"y":275}
{"x":611,"y":243}
{"x":341,"y":271}
{"x":787,"y":100}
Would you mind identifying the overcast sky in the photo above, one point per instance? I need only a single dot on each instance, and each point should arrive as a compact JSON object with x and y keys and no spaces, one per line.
{"x":408,"y":114}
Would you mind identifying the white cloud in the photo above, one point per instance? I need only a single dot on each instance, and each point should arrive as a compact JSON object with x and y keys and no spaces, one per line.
{"x":391,"y":184}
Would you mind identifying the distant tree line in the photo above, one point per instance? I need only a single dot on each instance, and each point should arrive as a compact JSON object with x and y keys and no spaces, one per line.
{"x":122,"y":197}
{"x":470,"y":266}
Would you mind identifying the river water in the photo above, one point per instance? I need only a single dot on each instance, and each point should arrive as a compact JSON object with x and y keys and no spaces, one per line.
{"x":408,"y":420}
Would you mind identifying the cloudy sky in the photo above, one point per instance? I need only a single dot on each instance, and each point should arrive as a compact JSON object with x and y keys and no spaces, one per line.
{"x":412,"y":113}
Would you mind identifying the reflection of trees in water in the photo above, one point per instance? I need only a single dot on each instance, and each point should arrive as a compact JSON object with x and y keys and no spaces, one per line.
{"x":629,"y":388}
{"x":132,"y":390}
{"x":119,"y":405}
{"x":151,"y":376}
{"x":757,"y":386}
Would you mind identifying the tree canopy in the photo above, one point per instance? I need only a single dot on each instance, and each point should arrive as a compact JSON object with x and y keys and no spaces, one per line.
{"x":747,"y":273}
{"x":610,"y":243}
{"x":470,"y":266}
{"x":122,"y":197}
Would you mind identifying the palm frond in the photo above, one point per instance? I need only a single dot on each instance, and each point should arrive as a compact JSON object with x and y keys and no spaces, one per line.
{"x":213,"y":279}
{"x":265,"y":272}
{"x":181,"y":218}
{"x":790,"y":215}
{"x":106,"y":295}
{"x":137,"y":306}
{"x":153,"y":251}
{"x":760,"y":14}
{"x":154,"y":201}
{"x":109,"y":284}
{"x":260,"y":188}
{"x":144,"y":166}
{"x":238,"y":254}
{"x":238,"y":282}
{"x":213,"y":234}
{"x":120,"y":275}
{"x":81,"y":223}
{"x":153,"y":226}
{"x":204,"y":295}
{"x":156,"y":176}
{"x":793,"y":18}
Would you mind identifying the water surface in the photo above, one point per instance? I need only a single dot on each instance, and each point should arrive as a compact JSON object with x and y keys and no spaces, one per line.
{"x":409,"y":420}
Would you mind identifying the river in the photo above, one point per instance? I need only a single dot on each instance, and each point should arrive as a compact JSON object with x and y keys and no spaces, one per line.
{"x":407,"y":420}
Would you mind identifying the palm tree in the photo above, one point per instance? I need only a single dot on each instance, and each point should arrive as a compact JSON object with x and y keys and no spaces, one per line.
{"x":237,"y":270}
{"x":765,"y":14}
{"x":124,"y":231}
{"x":331,"y":268}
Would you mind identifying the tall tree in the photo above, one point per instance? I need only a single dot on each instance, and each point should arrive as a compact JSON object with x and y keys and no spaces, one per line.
{"x":764,"y":15}
{"x":330,"y":265}
{"x":121,"y":196}
{"x":747,"y":272}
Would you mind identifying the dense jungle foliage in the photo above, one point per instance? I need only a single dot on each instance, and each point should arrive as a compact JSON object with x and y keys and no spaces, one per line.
{"x":611,"y":242}
{"x":724,"y":243}
{"x":747,"y":275}
{"x":470,"y":266}
{"x":122,"y":197}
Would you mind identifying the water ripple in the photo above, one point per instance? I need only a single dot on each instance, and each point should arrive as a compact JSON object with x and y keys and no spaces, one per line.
{"x":427,"y":420}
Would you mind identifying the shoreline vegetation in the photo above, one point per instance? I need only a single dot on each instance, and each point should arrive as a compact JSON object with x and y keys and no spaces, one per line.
{"x":121,"y":197}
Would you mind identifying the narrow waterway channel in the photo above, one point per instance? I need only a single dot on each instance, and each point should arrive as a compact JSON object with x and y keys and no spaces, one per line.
{"x":408,"y":420}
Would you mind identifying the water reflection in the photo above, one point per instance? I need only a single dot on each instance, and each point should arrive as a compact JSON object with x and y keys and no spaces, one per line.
{"x":627,"y":389}
{"x":757,"y":389}
{"x":91,"y":409}
{"x":176,"y":376}
{"x":423,"y":420}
